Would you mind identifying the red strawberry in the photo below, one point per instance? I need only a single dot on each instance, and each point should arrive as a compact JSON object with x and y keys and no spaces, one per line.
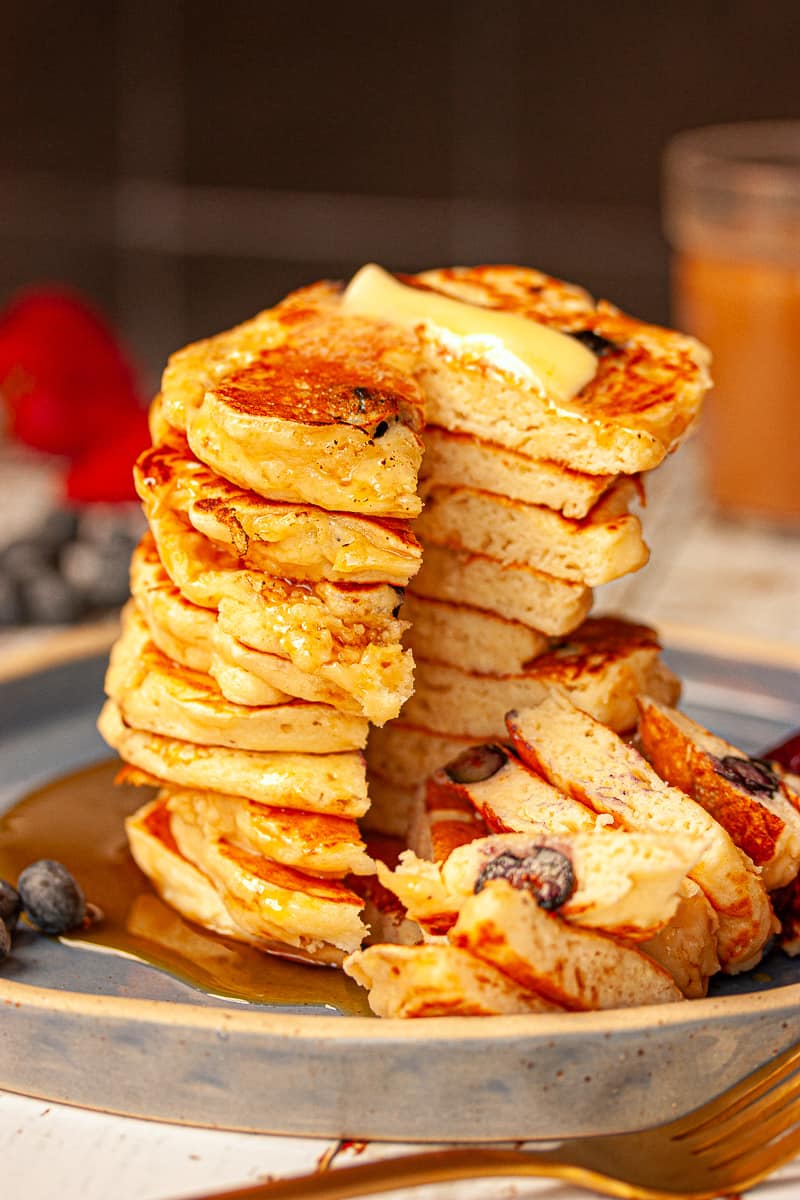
{"x":64,"y":377}
{"x":104,"y":470}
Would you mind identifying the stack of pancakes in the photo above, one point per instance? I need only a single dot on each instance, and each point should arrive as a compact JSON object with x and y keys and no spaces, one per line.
{"x":268,"y":615}
{"x":263,"y":633}
{"x":526,"y":511}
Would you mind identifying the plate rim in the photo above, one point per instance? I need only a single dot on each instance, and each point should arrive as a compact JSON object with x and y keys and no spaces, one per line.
{"x":764,"y":1001}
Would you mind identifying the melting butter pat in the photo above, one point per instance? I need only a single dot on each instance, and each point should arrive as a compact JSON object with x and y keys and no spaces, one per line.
{"x":557,"y":364}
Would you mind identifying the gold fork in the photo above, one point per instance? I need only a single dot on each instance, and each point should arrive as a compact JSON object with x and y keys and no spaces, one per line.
{"x":729,"y":1144}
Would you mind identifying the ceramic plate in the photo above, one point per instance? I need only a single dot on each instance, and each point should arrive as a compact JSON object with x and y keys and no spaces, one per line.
{"x":109,"y":1033}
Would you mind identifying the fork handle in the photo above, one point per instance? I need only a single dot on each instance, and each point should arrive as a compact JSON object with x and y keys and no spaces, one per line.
{"x":433,"y":1166}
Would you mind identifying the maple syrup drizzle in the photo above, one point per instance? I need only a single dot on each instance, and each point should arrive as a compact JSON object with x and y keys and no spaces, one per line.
{"x":79,"y":820}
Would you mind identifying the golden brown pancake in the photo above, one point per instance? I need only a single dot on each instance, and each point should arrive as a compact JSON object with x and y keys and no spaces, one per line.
{"x":577,"y":968}
{"x":591,"y":763}
{"x":313,"y":842}
{"x":305,"y":404}
{"x":294,"y":540}
{"x":463,"y":460}
{"x":347,"y":634}
{"x":749,"y":799}
{"x":250,"y":899}
{"x":158,"y":695}
{"x":438,"y":981}
{"x":644,"y":397}
{"x":334,"y":784}
{"x":603,"y":667}
{"x":600,"y":547}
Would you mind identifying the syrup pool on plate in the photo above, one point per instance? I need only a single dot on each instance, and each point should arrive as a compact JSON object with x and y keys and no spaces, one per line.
{"x":79,"y":821}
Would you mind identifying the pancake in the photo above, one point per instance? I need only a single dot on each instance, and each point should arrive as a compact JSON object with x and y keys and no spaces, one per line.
{"x":334,"y":784}
{"x":180,"y":629}
{"x":602,"y":546}
{"x":580,"y":969}
{"x":603,"y":667}
{"x":189,"y":890}
{"x":405,"y":754}
{"x":490,"y":781}
{"x":625,"y":884}
{"x":437,"y":981}
{"x":267,"y":899}
{"x":469,"y":637}
{"x":346,"y":633}
{"x":513,"y":799}
{"x":516,"y":592}
{"x":189,"y":634}
{"x":390,"y":807}
{"x":746,"y":796}
{"x":313,"y":842}
{"x":589,"y":762}
{"x":294,"y":540}
{"x":199,"y":638}
{"x":463,"y":460}
{"x":160,"y":696}
{"x":306,"y":404}
{"x":638,"y":397}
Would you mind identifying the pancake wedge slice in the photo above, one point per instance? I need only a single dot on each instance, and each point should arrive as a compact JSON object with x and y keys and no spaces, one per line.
{"x":576,"y":968}
{"x":745,"y":795}
{"x":588,"y":761}
{"x":437,"y":981}
{"x":624,"y":884}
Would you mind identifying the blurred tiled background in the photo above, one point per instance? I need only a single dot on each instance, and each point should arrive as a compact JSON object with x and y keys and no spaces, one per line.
{"x":187,"y":163}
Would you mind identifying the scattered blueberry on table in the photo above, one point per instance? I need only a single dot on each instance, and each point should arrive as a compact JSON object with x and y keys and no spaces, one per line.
{"x":74,"y":564}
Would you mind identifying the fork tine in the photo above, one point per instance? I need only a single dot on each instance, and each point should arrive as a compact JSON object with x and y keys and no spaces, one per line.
{"x":740,"y":1095}
{"x":758,"y":1136}
{"x":745,"y":1115}
{"x":745,"y":1173}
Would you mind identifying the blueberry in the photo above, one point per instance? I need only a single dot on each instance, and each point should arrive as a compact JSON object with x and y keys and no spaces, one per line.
{"x":545,"y":872}
{"x":59,"y":527}
{"x":476,"y":764}
{"x":51,"y":897}
{"x":752,"y":774}
{"x":595,"y":342}
{"x":5,"y":941}
{"x":24,"y":559}
{"x":49,"y":600}
{"x":10,"y":905}
{"x":99,"y":573}
{"x":10,"y":603}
